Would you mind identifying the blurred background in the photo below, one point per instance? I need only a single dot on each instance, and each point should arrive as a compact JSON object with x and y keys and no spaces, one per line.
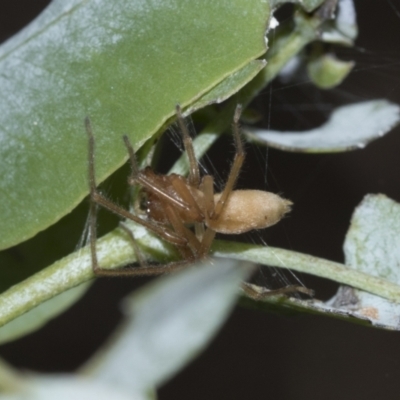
{"x":257,"y":354}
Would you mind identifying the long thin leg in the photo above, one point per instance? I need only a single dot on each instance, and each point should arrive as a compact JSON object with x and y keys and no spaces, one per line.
{"x":136,"y":249}
{"x":144,"y":269}
{"x":165,"y":233}
{"x":195,"y":213}
{"x":207,"y":186}
{"x":132,"y":159}
{"x":146,"y":180}
{"x":208,"y":238}
{"x":186,"y":202}
{"x":181,"y":187}
{"x":259,"y":293}
{"x":236,"y":166}
{"x":194,"y":173}
{"x":184,"y":232}
{"x":97,"y":199}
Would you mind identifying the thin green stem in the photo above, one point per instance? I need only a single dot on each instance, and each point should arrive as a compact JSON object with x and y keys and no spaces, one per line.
{"x":282,"y":258}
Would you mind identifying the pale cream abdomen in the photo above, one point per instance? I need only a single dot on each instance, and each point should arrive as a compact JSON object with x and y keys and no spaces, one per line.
{"x":249,"y":209}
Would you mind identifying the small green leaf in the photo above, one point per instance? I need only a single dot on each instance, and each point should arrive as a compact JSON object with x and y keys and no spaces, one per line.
{"x":371,"y":242}
{"x":372,"y":246}
{"x":326,"y":71}
{"x":343,"y":29}
{"x":349,"y":128}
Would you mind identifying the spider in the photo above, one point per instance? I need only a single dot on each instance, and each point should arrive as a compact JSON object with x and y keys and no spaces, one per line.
{"x":185,"y":211}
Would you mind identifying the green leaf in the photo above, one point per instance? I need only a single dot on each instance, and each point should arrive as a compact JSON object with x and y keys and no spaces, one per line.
{"x":228,"y":86}
{"x":372,"y":247}
{"x":326,"y":71}
{"x":343,"y":29}
{"x":169,"y":323}
{"x":40,"y":315}
{"x":371,"y":242}
{"x":125,"y":64}
{"x":349,"y":128}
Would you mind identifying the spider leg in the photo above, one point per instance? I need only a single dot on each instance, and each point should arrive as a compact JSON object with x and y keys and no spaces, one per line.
{"x":214,"y":211}
{"x":194,"y":251}
{"x":180,"y":185}
{"x":195,"y":212}
{"x":145,"y":269}
{"x":167,"y":234}
{"x":236,"y":166}
{"x":185,"y":202}
{"x":97,"y":199}
{"x":262,"y":293}
{"x":207,"y":186}
{"x":132,"y":159}
{"x":136,"y":249}
{"x":194,"y":173}
{"x":151,"y":182}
